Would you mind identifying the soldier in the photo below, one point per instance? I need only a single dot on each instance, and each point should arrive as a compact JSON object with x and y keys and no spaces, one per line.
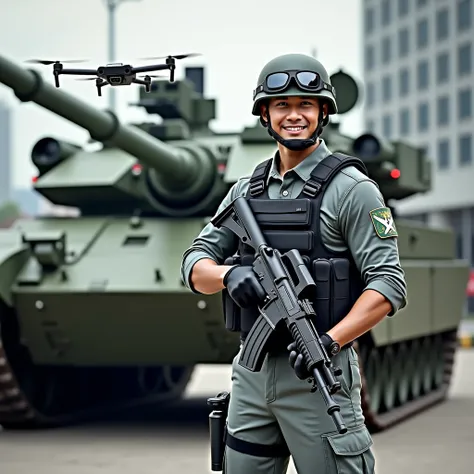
{"x":352,"y":256}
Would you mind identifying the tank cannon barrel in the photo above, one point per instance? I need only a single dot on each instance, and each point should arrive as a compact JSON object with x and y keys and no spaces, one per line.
{"x":178,"y":168}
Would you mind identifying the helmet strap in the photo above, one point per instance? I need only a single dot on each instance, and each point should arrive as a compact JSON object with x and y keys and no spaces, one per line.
{"x":296,"y":144}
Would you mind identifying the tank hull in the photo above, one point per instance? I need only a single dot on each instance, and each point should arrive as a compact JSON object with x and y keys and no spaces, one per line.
{"x":124,"y":279}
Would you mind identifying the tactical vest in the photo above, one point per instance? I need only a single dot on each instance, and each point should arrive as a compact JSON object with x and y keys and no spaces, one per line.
{"x":295,"y":224}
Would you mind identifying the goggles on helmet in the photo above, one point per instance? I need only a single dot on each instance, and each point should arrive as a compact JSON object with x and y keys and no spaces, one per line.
{"x":308,"y":81}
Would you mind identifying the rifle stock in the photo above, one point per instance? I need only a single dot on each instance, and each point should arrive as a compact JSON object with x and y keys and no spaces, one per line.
{"x":285,"y":301}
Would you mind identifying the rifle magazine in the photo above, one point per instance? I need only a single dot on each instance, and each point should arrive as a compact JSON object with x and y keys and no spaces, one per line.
{"x":255,"y":347}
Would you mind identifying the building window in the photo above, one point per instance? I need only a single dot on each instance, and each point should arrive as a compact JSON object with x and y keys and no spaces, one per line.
{"x":443,"y":110}
{"x":404,"y":121}
{"x":370,"y":126}
{"x":370,"y":93}
{"x":387,"y":126}
{"x":421,"y":3}
{"x":387,"y":88}
{"x":386,"y":50}
{"x":443,"y":154}
{"x":403,"y":7}
{"x":464,"y":15}
{"x":464,"y":59}
{"x":403,"y":42}
{"x":442,"y":68}
{"x":465,"y":103}
{"x":404,"y":82}
{"x":369,"y":57}
{"x":422,"y":33}
{"x":423,"y":117}
{"x":423,"y":75}
{"x":369,"y":20}
{"x":442,"y":24}
{"x":385,"y":12}
{"x":465,"y":149}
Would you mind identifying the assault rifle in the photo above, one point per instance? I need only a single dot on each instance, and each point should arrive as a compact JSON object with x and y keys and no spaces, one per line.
{"x":286,"y":300}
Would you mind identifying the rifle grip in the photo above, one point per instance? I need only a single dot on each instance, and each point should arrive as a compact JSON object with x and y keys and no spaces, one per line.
{"x":255,"y":345}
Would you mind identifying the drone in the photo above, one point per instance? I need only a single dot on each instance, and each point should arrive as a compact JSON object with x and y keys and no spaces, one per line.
{"x":116,"y":74}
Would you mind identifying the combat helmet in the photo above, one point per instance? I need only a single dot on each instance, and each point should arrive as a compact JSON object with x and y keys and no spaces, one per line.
{"x":295,"y":75}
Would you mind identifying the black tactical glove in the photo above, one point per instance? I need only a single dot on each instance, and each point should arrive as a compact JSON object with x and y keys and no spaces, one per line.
{"x":296,"y":359}
{"x":243,"y":286}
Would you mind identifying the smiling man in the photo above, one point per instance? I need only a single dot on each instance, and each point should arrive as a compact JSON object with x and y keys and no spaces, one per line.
{"x":327,"y":208}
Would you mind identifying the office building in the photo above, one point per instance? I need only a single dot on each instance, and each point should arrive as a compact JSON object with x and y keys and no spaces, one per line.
{"x":419,"y":84}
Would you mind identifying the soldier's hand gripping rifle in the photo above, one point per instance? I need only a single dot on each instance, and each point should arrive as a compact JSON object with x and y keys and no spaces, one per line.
{"x":286,"y":300}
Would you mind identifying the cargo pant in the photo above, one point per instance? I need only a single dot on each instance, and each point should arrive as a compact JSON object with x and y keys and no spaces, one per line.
{"x":273,"y":405}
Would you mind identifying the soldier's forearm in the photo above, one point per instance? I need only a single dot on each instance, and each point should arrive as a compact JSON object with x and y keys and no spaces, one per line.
{"x":367,"y":312}
{"x":207,"y":276}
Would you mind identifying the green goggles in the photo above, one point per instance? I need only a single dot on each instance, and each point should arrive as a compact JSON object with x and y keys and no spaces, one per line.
{"x":307,"y":81}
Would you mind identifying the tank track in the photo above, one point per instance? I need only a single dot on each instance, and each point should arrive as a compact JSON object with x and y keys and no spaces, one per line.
{"x":403,"y":379}
{"x":40,"y":397}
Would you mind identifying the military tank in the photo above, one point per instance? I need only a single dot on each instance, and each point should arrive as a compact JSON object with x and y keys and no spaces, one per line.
{"x":93,"y":311}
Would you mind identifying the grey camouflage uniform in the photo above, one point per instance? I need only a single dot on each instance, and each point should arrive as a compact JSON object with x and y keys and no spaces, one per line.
{"x":267,"y":405}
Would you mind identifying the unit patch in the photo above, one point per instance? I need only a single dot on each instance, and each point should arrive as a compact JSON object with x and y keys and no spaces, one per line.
{"x":383,"y":222}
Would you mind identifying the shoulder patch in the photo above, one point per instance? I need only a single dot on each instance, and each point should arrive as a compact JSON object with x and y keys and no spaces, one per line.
{"x":382,"y":220}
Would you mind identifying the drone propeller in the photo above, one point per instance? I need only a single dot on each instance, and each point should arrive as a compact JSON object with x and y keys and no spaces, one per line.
{"x":47,"y":62}
{"x":153,"y":75}
{"x":86,"y":79}
{"x":177,"y":56}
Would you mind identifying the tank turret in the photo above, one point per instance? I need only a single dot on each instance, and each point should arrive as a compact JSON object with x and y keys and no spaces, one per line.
{"x":182,"y":106}
{"x":400,"y":169}
{"x":135,"y":169}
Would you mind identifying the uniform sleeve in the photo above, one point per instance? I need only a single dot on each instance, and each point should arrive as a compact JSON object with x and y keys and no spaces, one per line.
{"x":367,"y":226}
{"x":216,"y":244}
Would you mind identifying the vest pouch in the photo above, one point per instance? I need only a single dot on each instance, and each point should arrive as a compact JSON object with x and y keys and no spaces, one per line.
{"x":282,"y":213}
{"x":232,"y":312}
{"x":340,"y":289}
{"x":285,"y":240}
{"x":333,"y":298}
{"x":321,"y":271}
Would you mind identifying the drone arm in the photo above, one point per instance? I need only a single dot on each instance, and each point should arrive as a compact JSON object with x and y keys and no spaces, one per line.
{"x":156,"y":67}
{"x":79,"y":72}
{"x":99,"y":84}
{"x":146,"y":83}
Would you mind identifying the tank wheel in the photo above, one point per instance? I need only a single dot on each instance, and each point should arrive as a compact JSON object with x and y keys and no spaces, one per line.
{"x":390,"y":374}
{"x":373,"y":367}
{"x":176,"y":378}
{"x":427,"y":365}
{"x":437,"y":357}
{"x":411,"y":387}
{"x":415,"y":368}
{"x":50,"y":391}
{"x":43,"y":388}
{"x":149,"y":379}
{"x":168,"y":381}
{"x":404,"y":379}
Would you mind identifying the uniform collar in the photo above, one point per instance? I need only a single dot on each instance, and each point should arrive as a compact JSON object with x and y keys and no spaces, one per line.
{"x":304,"y":169}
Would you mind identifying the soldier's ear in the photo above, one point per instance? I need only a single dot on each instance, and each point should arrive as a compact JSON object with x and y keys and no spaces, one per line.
{"x":325,"y":109}
{"x":264,"y":114}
